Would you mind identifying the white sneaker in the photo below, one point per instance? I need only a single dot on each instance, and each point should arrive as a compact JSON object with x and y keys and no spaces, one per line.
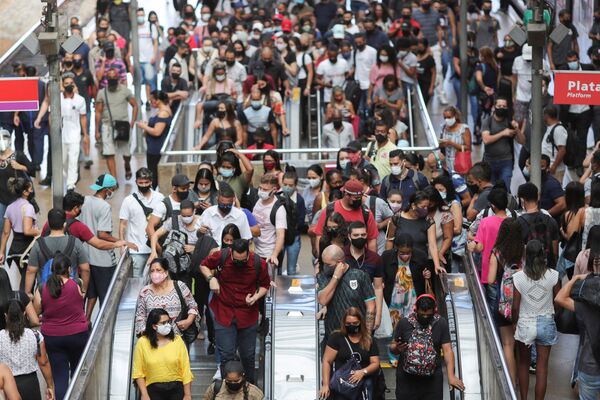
{"x":217,"y":375}
{"x":443,"y":99}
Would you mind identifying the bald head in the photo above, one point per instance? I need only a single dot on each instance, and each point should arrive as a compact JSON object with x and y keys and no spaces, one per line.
{"x":432,"y":161}
{"x":333,"y":254}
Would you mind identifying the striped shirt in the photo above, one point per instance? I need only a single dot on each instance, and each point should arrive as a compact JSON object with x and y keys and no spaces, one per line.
{"x":429,"y":22}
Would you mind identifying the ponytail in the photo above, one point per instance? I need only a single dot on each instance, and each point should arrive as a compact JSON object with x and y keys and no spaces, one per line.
{"x":60,"y":268}
{"x":15,"y":320}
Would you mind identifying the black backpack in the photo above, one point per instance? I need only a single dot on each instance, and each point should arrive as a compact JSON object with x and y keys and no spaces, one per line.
{"x":169,"y":212}
{"x":386,"y":183}
{"x":363,"y":208}
{"x":291,"y":216}
{"x":225,"y":253}
{"x":572,"y":158}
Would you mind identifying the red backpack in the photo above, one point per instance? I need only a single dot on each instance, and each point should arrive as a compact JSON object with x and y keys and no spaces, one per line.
{"x":420,"y":357}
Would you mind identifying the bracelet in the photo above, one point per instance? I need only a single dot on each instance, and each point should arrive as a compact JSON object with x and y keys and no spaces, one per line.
{"x":209,"y":278}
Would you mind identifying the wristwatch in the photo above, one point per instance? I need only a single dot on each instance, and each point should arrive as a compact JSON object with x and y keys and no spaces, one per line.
{"x":209,"y":278}
{"x":364,"y":371}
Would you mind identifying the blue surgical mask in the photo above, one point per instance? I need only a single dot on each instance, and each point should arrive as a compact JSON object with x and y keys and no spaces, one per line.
{"x":225,"y":172}
{"x":256,"y":104}
{"x":289,"y":190}
{"x":573,"y":65}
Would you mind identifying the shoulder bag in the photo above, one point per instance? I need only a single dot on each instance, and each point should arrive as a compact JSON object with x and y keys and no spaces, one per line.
{"x":120,"y":129}
{"x":191,"y":333}
{"x":340,"y":381}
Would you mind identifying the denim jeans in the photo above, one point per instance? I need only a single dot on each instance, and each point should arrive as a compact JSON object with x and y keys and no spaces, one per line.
{"x":502,"y":171}
{"x":231,"y":338}
{"x":148,"y":74}
{"x":292,"y":252}
{"x":139,"y":263}
{"x":589,"y":386}
{"x":64,"y":353}
{"x":473,"y":103}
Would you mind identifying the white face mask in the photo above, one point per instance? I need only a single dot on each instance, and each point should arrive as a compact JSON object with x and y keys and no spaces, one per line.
{"x":4,"y":144}
{"x":205,"y":17}
{"x":443,"y":195}
{"x":263,"y":195}
{"x":187,"y":220}
{"x":220,"y":77}
{"x":280,"y":46}
{"x":344,"y":163}
{"x":450,"y":121}
{"x":383,"y":59}
{"x":314,"y":182}
{"x":396,"y":170}
{"x":395,"y":207}
{"x":164,"y":329}
{"x":109,"y":195}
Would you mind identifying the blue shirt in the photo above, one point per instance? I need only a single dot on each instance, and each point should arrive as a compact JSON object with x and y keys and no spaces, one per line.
{"x":551,"y":190}
{"x":251,"y":220}
{"x":406,"y":186}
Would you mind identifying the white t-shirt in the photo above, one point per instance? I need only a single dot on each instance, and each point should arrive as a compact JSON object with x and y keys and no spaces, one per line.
{"x":147,"y":37}
{"x":265,"y":243}
{"x":191,"y":231}
{"x":537,"y":297}
{"x":410,"y":61}
{"x":303,"y":59}
{"x":560,"y":139}
{"x":332,"y":73}
{"x":132,"y":212}
{"x":364,"y":61}
{"x":216,"y":222}
{"x":522,"y":69}
{"x":71,"y":110}
{"x":161,"y":210}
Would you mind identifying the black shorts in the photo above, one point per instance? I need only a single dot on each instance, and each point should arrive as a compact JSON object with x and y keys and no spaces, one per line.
{"x":100,"y":278}
{"x":419,"y":388}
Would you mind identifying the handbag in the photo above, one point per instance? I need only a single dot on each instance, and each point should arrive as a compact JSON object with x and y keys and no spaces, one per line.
{"x":572,"y":247}
{"x":191,"y":333}
{"x":462,"y":161}
{"x":340,"y":383}
{"x":507,"y":290}
{"x":120,"y":129}
{"x":385,"y":329}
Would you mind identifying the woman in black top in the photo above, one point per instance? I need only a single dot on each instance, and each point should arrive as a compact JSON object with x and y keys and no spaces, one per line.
{"x":7,"y":294}
{"x":426,"y":72}
{"x":206,"y":189}
{"x":486,"y":76}
{"x":352,"y":338}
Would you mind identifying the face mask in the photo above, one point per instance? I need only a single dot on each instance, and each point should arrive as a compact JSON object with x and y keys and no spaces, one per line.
{"x":230,"y":63}
{"x":280,"y":46}
{"x":344,"y":163}
{"x":314,"y":182}
{"x":333,"y":60}
{"x":187,"y":220}
{"x":321,"y":51}
{"x":110,"y":54}
{"x":566,"y":22}
{"x":501,"y":112}
{"x":424,"y":320}
{"x":77,"y":63}
{"x":346,"y":55}
{"x":359,"y":243}
{"x":450,"y":121}
{"x":140,"y":20}
{"x":256,"y":104}
{"x":402,"y":53}
{"x":380,"y":138}
{"x":144,"y":189}
{"x":383,"y":59}
{"x":158,"y":277}
{"x":352,"y":329}
{"x":289,"y":190}
{"x":225,"y":172}
{"x":109,"y":195}
{"x":328,"y":270}
{"x":573,"y":65}
{"x":164,"y":329}
{"x":426,"y":6}
{"x":508,"y":43}
{"x":487,"y":11}
{"x":220,"y":77}
{"x":113,"y":83}
{"x":421,"y":212}
{"x":263,"y":195}
{"x":396,"y":170}
{"x":470,"y":43}
{"x":337,"y":124}
{"x":361,"y":47}
{"x":395,"y":207}
{"x":175,"y":76}
{"x":355,"y":204}
{"x":203,"y":188}
{"x":299,"y":1}
{"x":189,"y":14}
{"x":69,"y":89}
{"x":240,"y":263}
{"x":269,"y":165}
{"x":473,"y":188}
{"x":220,"y":114}
{"x":68,"y":64}
{"x":234,"y":386}
{"x":205,"y":17}
{"x":225,"y":208}
{"x":181,"y":196}
{"x":4,"y":144}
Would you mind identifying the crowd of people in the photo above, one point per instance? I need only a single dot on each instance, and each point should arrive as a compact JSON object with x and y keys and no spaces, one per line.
{"x":385,"y":224}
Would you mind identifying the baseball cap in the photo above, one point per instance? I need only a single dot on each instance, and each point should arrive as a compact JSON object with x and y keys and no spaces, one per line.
{"x":286,"y":25}
{"x":180,"y":180}
{"x":338,"y":31}
{"x":257,"y":26}
{"x":527,"y":52}
{"x":104,"y":181}
{"x":278,"y":17}
{"x":353,"y":187}
{"x":355,"y":146}
{"x":108,"y":45}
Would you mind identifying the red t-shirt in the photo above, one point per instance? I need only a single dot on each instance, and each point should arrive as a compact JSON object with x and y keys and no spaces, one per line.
{"x":266,"y":146}
{"x":236,"y":283}
{"x":77,"y":229}
{"x":349,"y":216}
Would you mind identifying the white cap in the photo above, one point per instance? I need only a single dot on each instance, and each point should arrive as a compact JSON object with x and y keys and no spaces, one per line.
{"x":338,"y":31}
{"x":527,"y":52}
{"x":257,"y":26}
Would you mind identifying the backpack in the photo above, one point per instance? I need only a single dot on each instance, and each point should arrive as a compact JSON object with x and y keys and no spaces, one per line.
{"x":46,"y":269}
{"x":249,"y":199}
{"x":363,"y":208}
{"x":385,"y":183}
{"x":169,"y":211}
{"x":218,"y":383}
{"x":571,"y":158}
{"x":46,"y":230}
{"x":174,"y":251}
{"x":291,"y":216}
{"x":257,"y":267}
{"x":507,"y":290}
{"x":537,"y":229}
{"x":420,"y":357}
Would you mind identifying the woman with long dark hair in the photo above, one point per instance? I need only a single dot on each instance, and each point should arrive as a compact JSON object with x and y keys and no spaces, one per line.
{"x":24,"y":351}
{"x":486,"y":77}
{"x":64,"y":325}
{"x":272,"y":164}
{"x":7,"y":294}
{"x":440,"y":213}
{"x":161,"y":364}
{"x":314,"y":176}
{"x":588,"y":260}
{"x":533,"y":311}
{"x":353,"y":337}
{"x":225,"y":126}
{"x":506,"y":259}
{"x":206,"y":189}
{"x":571,"y":226}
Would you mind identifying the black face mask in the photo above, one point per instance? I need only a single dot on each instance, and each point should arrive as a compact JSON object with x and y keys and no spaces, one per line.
{"x":189,"y":14}
{"x":267,"y":63}
{"x":77,"y":63}
{"x":596,"y":62}
{"x":406,"y":17}
{"x":68,"y":64}
{"x":330,"y":232}
{"x":113,"y":83}
{"x":221,"y":114}
{"x":380,"y":138}
{"x":110,"y":54}
{"x":424,"y":320}
{"x":69,"y":89}
{"x":487,"y":12}
{"x":225,"y":209}
{"x":175,"y":76}
{"x":361,"y":47}
{"x":352,"y":329}
{"x":240,"y":263}
{"x":333,"y":60}
{"x":473,"y":188}
{"x":426,"y":6}
{"x":501,"y":112}
{"x":230,"y":63}
{"x":355,"y":204}
{"x":181,"y":196}
{"x":328,"y":270}
{"x":359,"y":243}
{"x":337,"y":123}
{"x":144,"y":189}
{"x":239,"y":53}
{"x":234,"y":386}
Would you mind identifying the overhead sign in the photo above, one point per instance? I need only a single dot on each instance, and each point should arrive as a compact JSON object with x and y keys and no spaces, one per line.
{"x":577,"y":87}
{"x":19,"y":94}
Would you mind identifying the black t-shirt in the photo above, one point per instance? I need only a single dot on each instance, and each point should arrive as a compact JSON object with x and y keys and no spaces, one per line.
{"x":551,"y":190}
{"x":471,"y":62}
{"x":440,"y":334}
{"x":424,"y":74}
{"x":417,"y":229}
{"x":167,"y":86}
{"x":336,"y":341}
{"x":84,"y":82}
{"x":507,"y":59}
{"x":530,"y":221}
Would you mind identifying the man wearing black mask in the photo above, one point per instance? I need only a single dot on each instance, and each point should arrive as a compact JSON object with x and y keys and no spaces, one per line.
{"x":331,"y":72}
{"x":378,"y":152}
{"x":107,"y":62}
{"x":479,"y":182}
{"x":498,"y":132}
{"x":397,"y":30}
{"x":86,"y":87}
{"x":486,"y":27}
{"x":175,"y":87}
{"x":236,"y":72}
{"x":358,"y":256}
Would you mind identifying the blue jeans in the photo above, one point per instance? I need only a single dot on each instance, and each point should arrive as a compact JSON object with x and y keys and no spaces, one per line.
{"x":64,"y":353}
{"x":231,"y":338}
{"x":357,"y":6}
{"x":589,"y":386}
{"x":139,"y":263}
{"x":148,"y":74}
{"x":473,"y":103}
{"x":502,"y":171}
{"x":292,"y":251}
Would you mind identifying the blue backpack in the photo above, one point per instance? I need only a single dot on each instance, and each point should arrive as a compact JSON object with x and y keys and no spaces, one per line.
{"x":46,"y":270}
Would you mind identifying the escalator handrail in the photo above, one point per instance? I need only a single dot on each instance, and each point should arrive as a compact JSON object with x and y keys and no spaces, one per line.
{"x":488,"y":327}
{"x":432,"y":139}
{"x":108,"y":310}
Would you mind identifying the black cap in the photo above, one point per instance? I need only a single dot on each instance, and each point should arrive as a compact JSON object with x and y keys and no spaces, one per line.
{"x":108,"y":45}
{"x":180,"y":180}
{"x":355,"y":146}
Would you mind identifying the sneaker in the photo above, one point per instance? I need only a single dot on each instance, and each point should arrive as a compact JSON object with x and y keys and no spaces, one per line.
{"x":217,"y":375}
{"x":47,"y":181}
{"x":148,"y":109}
{"x":211,"y":349}
{"x":532,"y":368}
{"x":88,"y":164}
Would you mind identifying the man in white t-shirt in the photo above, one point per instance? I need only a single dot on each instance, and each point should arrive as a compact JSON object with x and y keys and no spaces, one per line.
{"x":270,"y":244}
{"x":407,"y":61}
{"x":133,"y":217}
{"x":365,"y":57}
{"x":74,"y":121}
{"x":521,"y":83}
{"x":148,"y":39}
{"x":331,"y":72}
{"x":180,"y":191}
{"x":554,"y":142}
